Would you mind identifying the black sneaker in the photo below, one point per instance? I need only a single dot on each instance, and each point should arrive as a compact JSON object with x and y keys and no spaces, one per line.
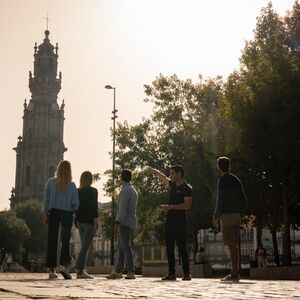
{"x":64,"y":271}
{"x":169,"y":277}
{"x":187,"y":277}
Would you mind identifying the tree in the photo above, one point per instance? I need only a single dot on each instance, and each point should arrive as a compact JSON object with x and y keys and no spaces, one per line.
{"x":32,"y":213}
{"x":13,"y":232}
{"x":292,"y":21}
{"x":189,"y":127}
{"x":186,"y":128}
{"x":263,"y":99}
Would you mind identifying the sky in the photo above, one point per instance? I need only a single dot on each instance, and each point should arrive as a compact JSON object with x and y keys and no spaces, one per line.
{"x":124,"y":43}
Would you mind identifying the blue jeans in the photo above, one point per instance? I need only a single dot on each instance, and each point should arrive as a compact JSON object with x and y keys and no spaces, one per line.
{"x":125,"y":253}
{"x":86,"y":232}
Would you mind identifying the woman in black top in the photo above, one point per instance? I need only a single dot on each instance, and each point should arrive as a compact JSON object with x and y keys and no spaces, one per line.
{"x":86,"y":219}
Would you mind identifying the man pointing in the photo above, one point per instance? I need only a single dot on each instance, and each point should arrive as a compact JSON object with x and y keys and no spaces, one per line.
{"x":180,"y":200}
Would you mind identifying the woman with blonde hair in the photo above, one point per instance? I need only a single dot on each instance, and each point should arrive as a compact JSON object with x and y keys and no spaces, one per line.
{"x":60,"y":201}
{"x":86,"y":219}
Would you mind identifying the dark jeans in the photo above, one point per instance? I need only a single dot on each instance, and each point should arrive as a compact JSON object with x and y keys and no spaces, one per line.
{"x":125,"y":253}
{"x":175,"y":231}
{"x":86,"y":232}
{"x":64,"y":219}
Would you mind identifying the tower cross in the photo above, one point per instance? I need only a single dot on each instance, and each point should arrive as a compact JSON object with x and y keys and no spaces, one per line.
{"x":47,"y":21}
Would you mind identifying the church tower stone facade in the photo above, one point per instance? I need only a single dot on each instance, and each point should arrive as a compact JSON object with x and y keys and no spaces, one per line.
{"x":41,"y":145}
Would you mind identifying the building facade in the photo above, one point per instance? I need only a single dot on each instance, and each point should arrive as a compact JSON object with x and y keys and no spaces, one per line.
{"x":216,"y":254}
{"x":41,"y":146}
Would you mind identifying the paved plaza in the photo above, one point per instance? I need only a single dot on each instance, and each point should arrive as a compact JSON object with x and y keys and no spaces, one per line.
{"x":37,"y":286}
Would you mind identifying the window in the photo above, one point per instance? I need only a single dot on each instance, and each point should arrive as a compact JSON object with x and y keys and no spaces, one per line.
{"x":212,"y":251}
{"x":250,"y":234}
{"x":157,"y":253}
{"x":147,"y":253}
{"x":220,"y":251}
{"x":219,"y":236}
{"x":251,"y":250}
{"x":27,"y":176}
{"x":211,"y":237}
{"x":244,"y":250}
{"x":247,"y":234}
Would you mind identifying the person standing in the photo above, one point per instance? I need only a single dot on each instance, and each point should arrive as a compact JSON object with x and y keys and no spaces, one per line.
{"x":125,"y":222}
{"x":261,"y":256}
{"x":60,"y":202}
{"x":180,"y":200}
{"x":9,"y":262}
{"x":231,"y":203}
{"x":200,"y":256}
{"x":86,"y":220}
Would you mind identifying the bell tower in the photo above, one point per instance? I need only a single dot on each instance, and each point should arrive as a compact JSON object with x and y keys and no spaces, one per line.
{"x":41,"y":145}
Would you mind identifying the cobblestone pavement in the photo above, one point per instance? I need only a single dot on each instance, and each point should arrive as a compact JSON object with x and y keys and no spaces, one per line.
{"x":37,"y":286}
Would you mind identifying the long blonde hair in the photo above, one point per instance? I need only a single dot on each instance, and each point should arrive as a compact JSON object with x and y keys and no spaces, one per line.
{"x":86,"y":179}
{"x":63,"y":174}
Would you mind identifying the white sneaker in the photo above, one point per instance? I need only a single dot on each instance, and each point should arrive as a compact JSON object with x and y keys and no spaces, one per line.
{"x":53,"y":275}
{"x":84,"y":275}
{"x":64,"y":271}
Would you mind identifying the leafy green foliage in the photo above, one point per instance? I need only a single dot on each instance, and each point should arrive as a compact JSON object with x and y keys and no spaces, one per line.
{"x":183,"y":129}
{"x":13,"y":232}
{"x":263,"y":101}
{"x":32,"y":213}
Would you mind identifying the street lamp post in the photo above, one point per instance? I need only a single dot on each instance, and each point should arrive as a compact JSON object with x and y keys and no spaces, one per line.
{"x":114,"y":116}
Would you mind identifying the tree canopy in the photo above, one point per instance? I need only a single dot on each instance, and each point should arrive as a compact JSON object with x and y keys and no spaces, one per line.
{"x":32,"y":213}
{"x":13,"y":231}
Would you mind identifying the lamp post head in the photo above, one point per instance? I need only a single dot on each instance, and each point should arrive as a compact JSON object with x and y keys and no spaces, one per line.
{"x":109,"y":87}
